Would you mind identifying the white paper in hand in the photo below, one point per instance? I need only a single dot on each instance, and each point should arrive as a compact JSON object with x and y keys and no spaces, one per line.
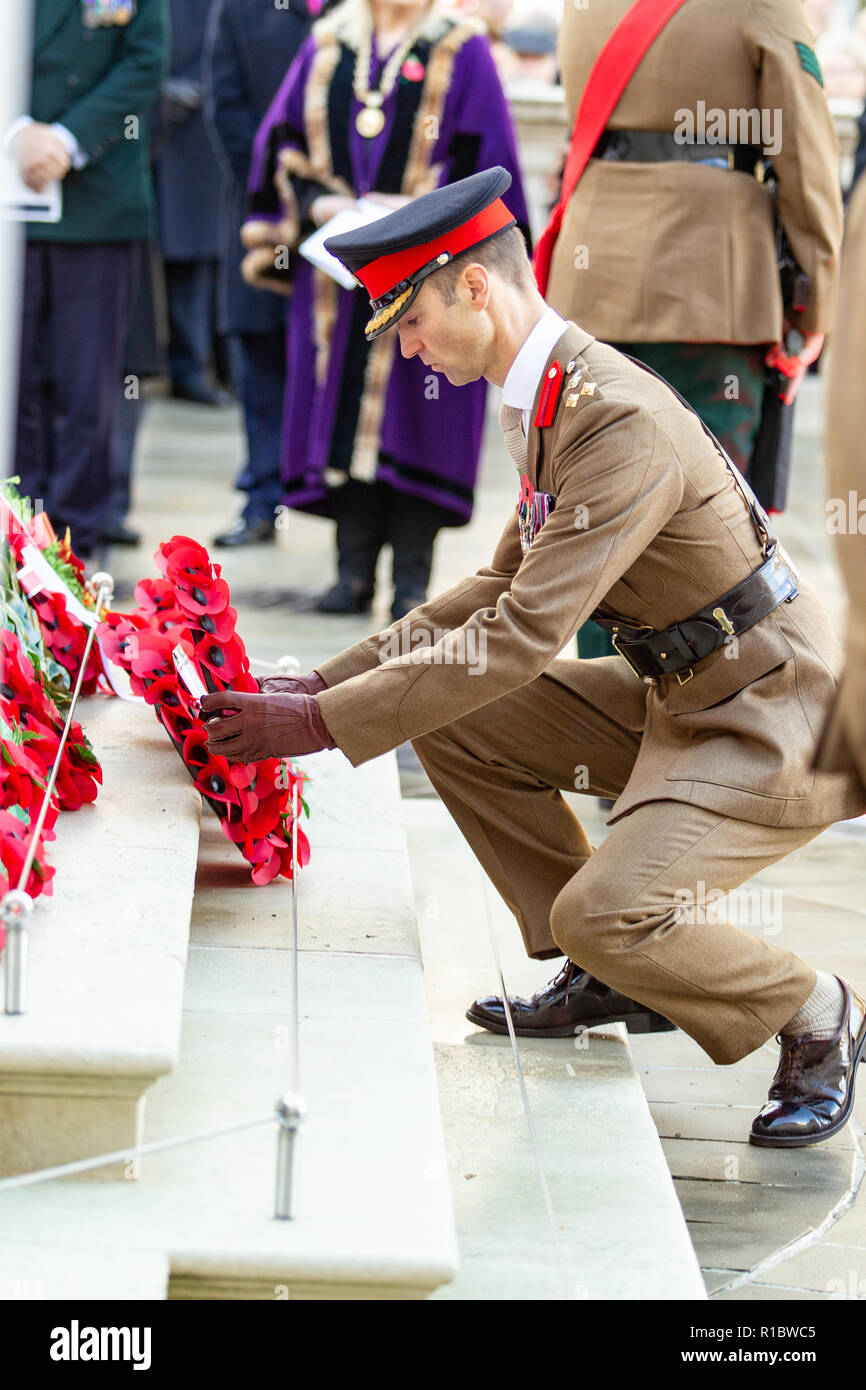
{"x":349,"y":220}
{"x":18,"y":203}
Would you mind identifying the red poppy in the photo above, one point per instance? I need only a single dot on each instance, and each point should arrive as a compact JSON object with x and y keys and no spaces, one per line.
{"x":220,"y":626}
{"x":181,"y":553}
{"x":168,"y":692}
{"x":18,"y":679}
{"x":413,"y":70}
{"x":245,"y":680}
{"x":527,"y":491}
{"x":157,"y":602}
{"x":201,"y":593}
{"x":224,"y":659}
{"x":15,"y":835}
{"x":149,"y":654}
{"x":114,"y":632}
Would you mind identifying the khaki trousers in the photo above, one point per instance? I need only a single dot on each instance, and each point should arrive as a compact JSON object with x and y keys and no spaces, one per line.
{"x":621,"y":911}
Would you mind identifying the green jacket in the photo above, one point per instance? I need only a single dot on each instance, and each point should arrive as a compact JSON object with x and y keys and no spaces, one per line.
{"x":98,"y":83}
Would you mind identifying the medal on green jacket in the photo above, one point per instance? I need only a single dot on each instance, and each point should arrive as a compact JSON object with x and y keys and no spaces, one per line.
{"x":96,"y":14}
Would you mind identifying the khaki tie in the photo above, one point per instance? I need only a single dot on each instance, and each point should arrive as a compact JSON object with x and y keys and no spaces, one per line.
{"x":511,"y":424}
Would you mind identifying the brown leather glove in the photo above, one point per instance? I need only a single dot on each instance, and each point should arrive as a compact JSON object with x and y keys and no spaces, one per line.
{"x":247,"y":728}
{"x":292,"y":685}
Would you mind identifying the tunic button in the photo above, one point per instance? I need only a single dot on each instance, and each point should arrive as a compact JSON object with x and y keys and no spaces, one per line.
{"x":72,"y":80}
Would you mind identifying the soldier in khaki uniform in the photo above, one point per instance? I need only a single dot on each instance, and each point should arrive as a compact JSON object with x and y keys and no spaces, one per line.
{"x":668,"y":247}
{"x":843,"y":745}
{"x":627,"y":504}
{"x":680,"y":252}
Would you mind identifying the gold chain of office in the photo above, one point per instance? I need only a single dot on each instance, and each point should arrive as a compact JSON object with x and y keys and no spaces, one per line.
{"x":371,"y":119}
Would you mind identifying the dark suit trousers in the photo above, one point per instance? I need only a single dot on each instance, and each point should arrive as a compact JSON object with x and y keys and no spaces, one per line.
{"x":75,"y":310}
{"x":262,"y":386}
{"x":191,"y":289}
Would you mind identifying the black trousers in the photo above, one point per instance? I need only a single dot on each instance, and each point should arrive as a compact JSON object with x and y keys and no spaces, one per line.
{"x":75,"y":310}
{"x":372,"y":514}
{"x":190,"y":289}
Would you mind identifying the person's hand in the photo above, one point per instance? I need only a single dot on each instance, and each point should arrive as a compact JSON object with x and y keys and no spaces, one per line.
{"x":292,"y":685}
{"x":41,"y":155}
{"x":327,"y":205}
{"x":181,"y":96}
{"x":247,"y":728}
{"x":794,"y":365}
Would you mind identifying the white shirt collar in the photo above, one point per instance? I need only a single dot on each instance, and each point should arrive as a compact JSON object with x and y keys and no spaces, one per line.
{"x":521,"y":383}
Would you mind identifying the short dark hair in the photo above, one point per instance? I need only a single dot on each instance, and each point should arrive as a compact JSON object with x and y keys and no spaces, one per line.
{"x":504,"y":252}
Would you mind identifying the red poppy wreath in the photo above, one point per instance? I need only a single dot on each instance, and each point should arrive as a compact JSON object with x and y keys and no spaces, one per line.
{"x":179,"y":644}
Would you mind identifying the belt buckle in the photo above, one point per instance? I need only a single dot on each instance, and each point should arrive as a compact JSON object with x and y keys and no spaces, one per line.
{"x":687,"y":679}
{"x":627,"y":659}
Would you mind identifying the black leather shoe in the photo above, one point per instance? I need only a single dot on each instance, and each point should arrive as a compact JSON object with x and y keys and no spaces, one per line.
{"x":813,"y":1089}
{"x":118,"y":533}
{"x":197,"y":390}
{"x":345,"y":598}
{"x":574,"y":1000}
{"x":246,"y":533}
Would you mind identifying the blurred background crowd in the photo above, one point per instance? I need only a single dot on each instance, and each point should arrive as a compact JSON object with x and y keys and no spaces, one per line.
{"x":164,"y":273}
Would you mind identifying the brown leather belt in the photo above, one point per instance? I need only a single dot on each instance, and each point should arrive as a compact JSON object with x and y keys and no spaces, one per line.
{"x":652,"y":654}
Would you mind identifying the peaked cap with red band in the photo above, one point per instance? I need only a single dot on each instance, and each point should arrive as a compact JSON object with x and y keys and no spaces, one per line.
{"x":392,"y":257}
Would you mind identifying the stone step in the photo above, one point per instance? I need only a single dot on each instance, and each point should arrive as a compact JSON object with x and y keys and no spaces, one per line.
{"x":46,"y":1270}
{"x":619,"y":1228}
{"x":374,"y":1215}
{"x":107,"y":954}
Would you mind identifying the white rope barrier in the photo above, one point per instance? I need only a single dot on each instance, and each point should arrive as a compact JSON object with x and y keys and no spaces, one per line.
{"x":85,"y":1165}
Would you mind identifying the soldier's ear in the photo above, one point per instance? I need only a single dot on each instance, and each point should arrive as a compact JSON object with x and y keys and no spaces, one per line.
{"x":476,"y":279}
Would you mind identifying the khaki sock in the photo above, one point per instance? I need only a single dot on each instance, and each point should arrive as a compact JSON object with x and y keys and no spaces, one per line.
{"x":821,"y":1015}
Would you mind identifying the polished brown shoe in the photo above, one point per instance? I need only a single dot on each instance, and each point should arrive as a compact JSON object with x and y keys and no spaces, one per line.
{"x":813,"y":1089}
{"x":574,"y":1000}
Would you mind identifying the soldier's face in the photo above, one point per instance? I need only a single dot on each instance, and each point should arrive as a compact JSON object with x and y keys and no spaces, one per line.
{"x":451,"y":338}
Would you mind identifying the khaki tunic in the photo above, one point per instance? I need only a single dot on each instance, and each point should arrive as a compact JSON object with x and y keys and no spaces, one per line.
{"x":649,"y":522}
{"x":844,"y":742}
{"x":681,"y":252}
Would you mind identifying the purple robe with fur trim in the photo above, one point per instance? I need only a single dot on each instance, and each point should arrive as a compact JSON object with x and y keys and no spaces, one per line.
{"x":425,"y":437}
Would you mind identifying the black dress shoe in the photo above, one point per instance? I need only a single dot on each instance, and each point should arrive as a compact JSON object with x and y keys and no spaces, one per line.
{"x":197,"y":390}
{"x":247,"y":533}
{"x":346,"y":598}
{"x":118,"y":533}
{"x":574,"y":1000}
{"x":813,"y":1089}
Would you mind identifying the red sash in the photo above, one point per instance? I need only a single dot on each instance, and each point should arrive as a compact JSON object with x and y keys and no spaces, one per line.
{"x":608,"y":80}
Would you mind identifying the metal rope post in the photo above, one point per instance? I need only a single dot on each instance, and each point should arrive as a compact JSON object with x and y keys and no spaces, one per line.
{"x":290,"y":1113}
{"x":17,"y":904}
{"x":15,"y":912}
{"x":290,"y":1107}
